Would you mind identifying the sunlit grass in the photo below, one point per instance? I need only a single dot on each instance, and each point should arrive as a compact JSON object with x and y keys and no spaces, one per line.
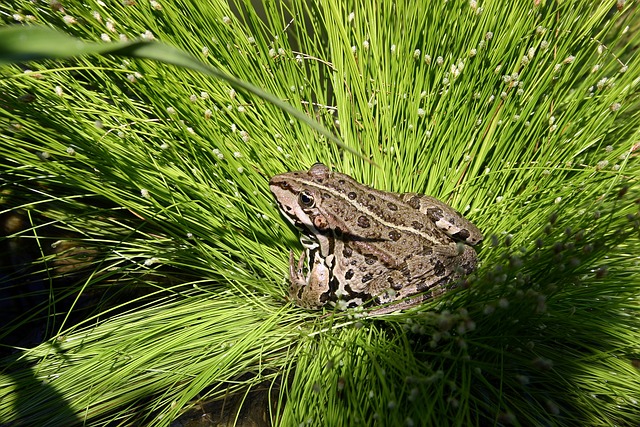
{"x":524,"y":117}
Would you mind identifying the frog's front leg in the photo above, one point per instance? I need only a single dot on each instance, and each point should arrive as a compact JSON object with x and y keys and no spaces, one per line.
{"x":312,"y":291}
{"x":450,"y":221}
{"x":296,"y":274}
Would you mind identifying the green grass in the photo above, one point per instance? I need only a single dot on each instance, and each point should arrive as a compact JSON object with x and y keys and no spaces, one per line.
{"x":155,"y":178}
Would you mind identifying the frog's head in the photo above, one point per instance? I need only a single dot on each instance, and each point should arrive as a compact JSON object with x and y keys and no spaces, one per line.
{"x":298,"y":195}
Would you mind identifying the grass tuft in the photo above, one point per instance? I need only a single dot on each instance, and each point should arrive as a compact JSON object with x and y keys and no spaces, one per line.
{"x":146,"y":262}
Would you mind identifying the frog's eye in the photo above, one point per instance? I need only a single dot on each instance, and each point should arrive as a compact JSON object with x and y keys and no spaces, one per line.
{"x":306,"y":200}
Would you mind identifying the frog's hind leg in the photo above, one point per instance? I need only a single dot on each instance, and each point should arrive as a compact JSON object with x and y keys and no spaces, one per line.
{"x":423,"y":277}
{"x":443,"y":216}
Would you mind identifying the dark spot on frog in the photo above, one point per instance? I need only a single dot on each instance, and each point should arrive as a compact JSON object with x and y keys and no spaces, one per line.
{"x":405,"y":270}
{"x":423,"y":286}
{"x":367,"y":277}
{"x":285,"y":186}
{"x":353,"y":303}
{"x":427,"y":250}
{"x":372,"y":197}
{"x":312,"y":257}
{"x":439,"y":268}
{"x":414,"y":202}
{"x":468,"y":266}
{"x":352,"y":195}
{"x":371,"y":259}
{"x":325,"y":296}
{"x":341,"y":181}
{"x":349,"y":274}
{"x":392,"y":206}
{"x":395,"y":286}
{"x":352,"y":295}
{"x":395,"y":235}
{"x":326,"y":195}
{"x":435,"y":213}
{"x":461,"y":235}
{"x":347,"y":252}
{"x":416,"y":225}
{"x":333,"y":285}
{"x":363,"y":222}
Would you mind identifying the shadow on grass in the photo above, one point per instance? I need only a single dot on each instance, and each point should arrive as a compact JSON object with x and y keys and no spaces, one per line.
{"x":35,"y":400}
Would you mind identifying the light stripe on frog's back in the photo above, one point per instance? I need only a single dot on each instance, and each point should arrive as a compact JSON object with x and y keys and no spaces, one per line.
{"x":340,"y":193}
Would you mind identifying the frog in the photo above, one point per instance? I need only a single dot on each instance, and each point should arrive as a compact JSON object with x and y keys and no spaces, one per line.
{"x":368,"y":247}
